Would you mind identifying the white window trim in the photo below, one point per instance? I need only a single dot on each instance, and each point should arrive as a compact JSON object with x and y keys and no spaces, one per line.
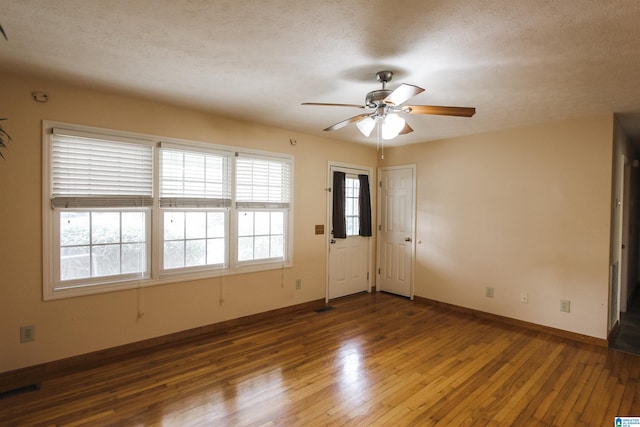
{"x":157,"y":278}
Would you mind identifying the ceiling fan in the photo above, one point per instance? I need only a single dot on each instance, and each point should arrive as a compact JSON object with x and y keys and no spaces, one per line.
{"x":386,"y":107}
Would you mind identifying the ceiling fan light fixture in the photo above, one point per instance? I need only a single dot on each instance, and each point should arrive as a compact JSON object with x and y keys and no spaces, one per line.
{"x":384,"y":108}
{"x":392,"y":124}
{"x":366,"y":125}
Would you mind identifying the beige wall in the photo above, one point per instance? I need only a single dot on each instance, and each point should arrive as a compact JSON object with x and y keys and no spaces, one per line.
{"x":522,"y":210}
{"x":78,"y":325}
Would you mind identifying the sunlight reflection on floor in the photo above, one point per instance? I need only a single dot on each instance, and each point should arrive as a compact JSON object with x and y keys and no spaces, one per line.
{"x":353,"y":380}
{"x":255,"y":397}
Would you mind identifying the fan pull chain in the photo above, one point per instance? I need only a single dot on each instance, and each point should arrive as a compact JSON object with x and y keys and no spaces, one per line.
{"x":379,"y":142}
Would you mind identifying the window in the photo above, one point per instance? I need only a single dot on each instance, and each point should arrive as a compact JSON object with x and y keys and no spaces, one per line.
{"x":125,"y":210}
{"x":351,"y":205}
{"x":195,"y":194}
{"x":101,"y":193}
{"x":263,"y":199}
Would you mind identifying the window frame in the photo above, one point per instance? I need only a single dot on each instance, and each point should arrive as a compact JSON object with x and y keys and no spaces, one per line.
{"x":157,"y":275}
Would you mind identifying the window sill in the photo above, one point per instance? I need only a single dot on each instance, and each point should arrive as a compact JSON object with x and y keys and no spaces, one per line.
{"x":166,"y":279}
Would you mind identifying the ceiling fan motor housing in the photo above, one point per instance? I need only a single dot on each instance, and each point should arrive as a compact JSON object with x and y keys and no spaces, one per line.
{"x":376,"y":97}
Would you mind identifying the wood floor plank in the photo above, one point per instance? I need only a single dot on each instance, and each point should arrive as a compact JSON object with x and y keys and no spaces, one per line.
{"x":493,"y":392}
{"x":567,"y":395}
{"x":373,"y":360}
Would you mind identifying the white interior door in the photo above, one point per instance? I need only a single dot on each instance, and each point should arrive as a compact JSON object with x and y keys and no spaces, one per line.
{"x":348,"y":267}
{"x":396,"y":230}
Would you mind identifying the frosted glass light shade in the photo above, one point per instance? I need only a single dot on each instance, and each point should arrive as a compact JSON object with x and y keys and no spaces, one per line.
{"x":391,"y":126}
{"x":366,"y":125}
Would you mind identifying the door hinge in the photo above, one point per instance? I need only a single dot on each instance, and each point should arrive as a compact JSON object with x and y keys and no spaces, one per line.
{"x":379,"y":227}
{"x":378,"y":271}
{"x":380,"y":184}
{"x":367,"y":275}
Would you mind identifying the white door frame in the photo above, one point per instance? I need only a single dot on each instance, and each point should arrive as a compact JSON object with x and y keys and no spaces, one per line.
{"x":625,"y":238}
{"x":350,"y":168}
{"x":413,"y":223}
{"x":616,"y":274}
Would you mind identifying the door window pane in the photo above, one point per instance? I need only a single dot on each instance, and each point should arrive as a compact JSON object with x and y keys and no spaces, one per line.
{"x":352,"y":205}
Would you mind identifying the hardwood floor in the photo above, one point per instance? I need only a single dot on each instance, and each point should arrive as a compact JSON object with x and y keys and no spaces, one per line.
{"x":372,"y":360}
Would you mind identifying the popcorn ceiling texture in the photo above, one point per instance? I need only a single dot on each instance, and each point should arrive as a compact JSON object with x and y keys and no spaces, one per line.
{"x":518,"y":62}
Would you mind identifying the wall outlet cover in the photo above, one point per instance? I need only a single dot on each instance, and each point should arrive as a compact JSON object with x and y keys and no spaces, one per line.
{"x":27,"y":333}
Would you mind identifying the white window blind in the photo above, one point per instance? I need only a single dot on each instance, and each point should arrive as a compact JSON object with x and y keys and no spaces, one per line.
{"x":88,"y":170}
{"x":193,"y":178}
{"x":262,"y":182}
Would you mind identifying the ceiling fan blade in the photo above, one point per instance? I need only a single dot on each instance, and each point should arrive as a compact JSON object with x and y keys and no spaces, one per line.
{"x":405,"y":129}
{"x":438,"y":110}
{"x":402,"y":93}
{"x":343,"y":123}
{"x":322,"y":104}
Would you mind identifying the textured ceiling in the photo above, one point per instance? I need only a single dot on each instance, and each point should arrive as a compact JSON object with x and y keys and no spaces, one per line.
{"x":518,"y":62}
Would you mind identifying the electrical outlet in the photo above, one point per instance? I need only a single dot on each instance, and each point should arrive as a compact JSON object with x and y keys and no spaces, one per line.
{"x":524,"y":298}
{"x":565,"y":305}
{"x":298,"y":283}
{"x":488,"y":292}
{"x":27,"y":333}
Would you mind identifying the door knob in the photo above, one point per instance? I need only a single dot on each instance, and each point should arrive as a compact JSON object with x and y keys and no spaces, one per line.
{"x":332,"y":241}
{"x":407,"y":239}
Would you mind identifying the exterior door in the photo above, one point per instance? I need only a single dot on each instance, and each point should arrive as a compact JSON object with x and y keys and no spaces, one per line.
{"x":396,"y":230}
{"x":348,"y":267}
